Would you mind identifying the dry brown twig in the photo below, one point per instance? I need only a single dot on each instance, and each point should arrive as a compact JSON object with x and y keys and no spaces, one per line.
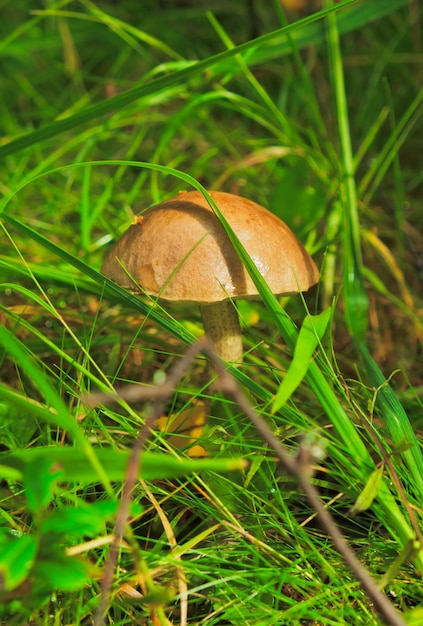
{"x":159,"y":394}
{"x":299,"y":467}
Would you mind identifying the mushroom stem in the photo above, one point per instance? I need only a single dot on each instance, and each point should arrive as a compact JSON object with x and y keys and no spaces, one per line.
{"x":221,"y":326}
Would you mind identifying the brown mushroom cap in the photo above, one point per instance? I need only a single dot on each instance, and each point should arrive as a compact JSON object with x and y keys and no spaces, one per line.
{"x":179,"y":251}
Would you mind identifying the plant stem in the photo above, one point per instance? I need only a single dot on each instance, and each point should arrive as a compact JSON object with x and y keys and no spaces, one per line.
{"x":221,"y":326}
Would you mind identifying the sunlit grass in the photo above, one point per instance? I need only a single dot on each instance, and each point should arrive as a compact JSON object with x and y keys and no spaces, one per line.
{"x":108,"y":110}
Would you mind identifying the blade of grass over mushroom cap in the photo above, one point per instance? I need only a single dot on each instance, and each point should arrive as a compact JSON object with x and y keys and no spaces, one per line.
{"x":108,"y":288}
{"x":178,"y":251}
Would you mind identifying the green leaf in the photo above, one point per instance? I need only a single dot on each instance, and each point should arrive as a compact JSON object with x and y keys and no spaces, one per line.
{"x":9,"y":473}
{"x":62,"y":572}
{"x":159,"y":596}
{"x":85,"y":519}
{"x":309,"y":337}
{"x":414,"y":617}
{"x":17,"y":556}
{"x":77,"y":468}
{"x":370,"y":491}
{"x":40,"y":479}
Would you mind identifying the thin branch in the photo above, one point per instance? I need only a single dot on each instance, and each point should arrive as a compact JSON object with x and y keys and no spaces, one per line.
{"x":160,"y":394}
{"x":299,"y":467}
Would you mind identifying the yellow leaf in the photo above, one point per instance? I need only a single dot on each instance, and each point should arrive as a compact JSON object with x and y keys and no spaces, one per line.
{"x":186,"y":428}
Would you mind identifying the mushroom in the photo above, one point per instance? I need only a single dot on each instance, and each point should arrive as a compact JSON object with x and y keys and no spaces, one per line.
{"x":178,"y":251}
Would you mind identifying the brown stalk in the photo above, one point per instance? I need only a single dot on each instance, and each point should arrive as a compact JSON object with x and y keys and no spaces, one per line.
{"x":299,"y":467}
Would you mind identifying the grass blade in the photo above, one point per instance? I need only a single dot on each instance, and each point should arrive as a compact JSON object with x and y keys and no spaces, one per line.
{"x":165,"y":82}
{"x":75,"y":467}
{"x":309,"y":337}
{"x":60,"y":415}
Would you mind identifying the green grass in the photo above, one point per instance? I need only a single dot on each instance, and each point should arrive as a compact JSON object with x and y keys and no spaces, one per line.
{"x":107,"y":108}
